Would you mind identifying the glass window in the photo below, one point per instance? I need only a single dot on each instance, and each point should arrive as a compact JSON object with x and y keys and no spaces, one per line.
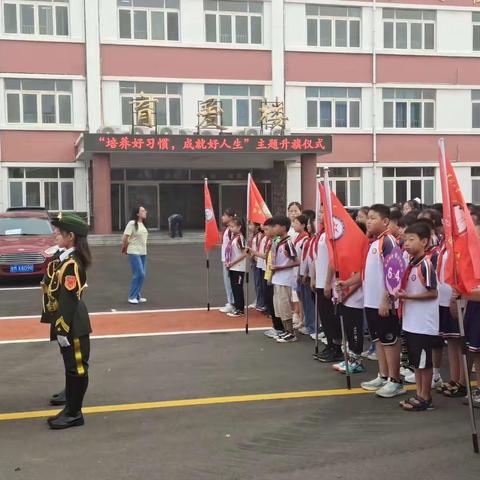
{"x":172,"y":26}
{"x":401,"y":115}
{"x":30,"y":108}
{"x":125,"y":26}
{"x":415,"y":115}
{"x":174,"y":104}
{"x":401,"y":35}
{"x":27,"y":24}
{"x":48,"y":109}
{"x":241,"y":29}
{"x":341,"y":114}
{"x":476,"y":37}
{"x":225,"y":29}
{"x":51,"y":195}
{"x":67,"y":196}
{"x":158,"y":26}
{"x":211,"y":28}
{"x":140,"y":24}
{"x":64,"y":109}
{"x":312,"y":109}
{"x":416,"y":35}
{"x":312,"y":34}
{"x":10,"y":18}
{"x":413,"y":108}
{"x":429,"y":36}
{"x":388,"y":34}
{"x":326,"y":33}
{"x":61,"y":16}
{"x":476,"y":191}
{"x":32,"y":194}
{"x":476,"y":115}
{"x":16,"y":194}
{"x":355,"y":114}
{"x":354,"y":33}
{"x":13,"y":108}
{"x":325,"y":114}
{"x":45,"y":20}
{"x":256,"y":30}
{"x":428,"y":116}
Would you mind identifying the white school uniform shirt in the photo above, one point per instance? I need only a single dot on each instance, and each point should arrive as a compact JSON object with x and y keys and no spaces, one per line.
{"x":444,"y":289}
{"x":238,"y":244}
{"x":257,"y":238}
{"x":226,"y":239}
{"x":355,"y":300}
{"x":321,"y":262}
{"x":284,"y":253}
{"x":421,"y":316}
{"x":299,"y":245}
{"x":374,"y":277}
{"x":261,"y":263}
{"x":304,"y":254}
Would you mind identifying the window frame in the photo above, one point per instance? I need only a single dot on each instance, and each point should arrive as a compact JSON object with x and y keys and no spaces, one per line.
{"x":399,"y":177}
{"x":333,"y":27}
{"x":233,"y":25}
{"x":475,"y":181}
{"x":42,"y":181}
{"x":39,"y":95}
{"x":408,"y":102}
{"x":148,"y":10}
{"x":423,"y":22}
{"x":348,"y":179}
{"x":36,"y":18}
{"x":475,"y":29}
{"x":165,"y":96}
{"x":333,"y":111}
{"x":475,"y":103}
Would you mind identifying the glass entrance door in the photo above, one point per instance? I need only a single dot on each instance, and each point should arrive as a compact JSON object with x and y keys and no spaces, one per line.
{"x":234,"y":196}
{"x":145,"y":196}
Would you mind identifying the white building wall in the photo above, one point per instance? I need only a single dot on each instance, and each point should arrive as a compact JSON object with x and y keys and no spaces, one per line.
{"x":294,"y":189}
{"x":295,"y":26}
{"x":296,"y":108}
{"x":112,"y":115}
{"x":454,"y":33}
{"x":79,"y":103}
{"x":192,"y":22}
{"x":192,"y":93}
{"x":454,"y":110}
{"x":108,"y":20}
{"x":77,"y":31}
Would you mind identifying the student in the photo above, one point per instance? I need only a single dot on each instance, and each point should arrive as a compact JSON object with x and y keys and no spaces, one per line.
{"x":227,"y":216}
{"x":294,"y":209}
{"x":362,"y":215}
{"x":264,"y":259}
{"x":300,"y":227}
{"x":419,"y":305}
{"x":256,"y":235}
{"x":235,"y":261}
{"x":284,"y":260}
{"x":395,"y":216}
{"x":134,"y":244}
{"x":410,"y":206}
{"x":383,"y":322}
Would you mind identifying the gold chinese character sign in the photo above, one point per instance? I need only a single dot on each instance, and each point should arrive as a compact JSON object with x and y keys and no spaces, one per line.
{"x":144,"y":110}
{"x":210,"y":114}
{"x":272,"y":116}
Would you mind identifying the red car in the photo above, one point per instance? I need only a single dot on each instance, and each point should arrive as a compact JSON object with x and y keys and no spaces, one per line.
{"x":27,"y":242}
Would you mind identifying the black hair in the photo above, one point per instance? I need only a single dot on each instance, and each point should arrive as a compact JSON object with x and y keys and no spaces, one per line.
{"x":381,"y":209}
{"x":364,"y":210}
{"x":438,"y":207}
{"x":241,"y":223}
{"x":268,"y":222}
{"x":421,"y":229}
{"x":134,"y":216}
{"x":407,"y":220}
{"x":309,"y":213}
{"x":282,"y":220}
{"x":433,"y":215}
{"x":230,"y":212}
{"x":413,"y":204}
{"x":362,"y":227}
{"x":395,"y":215}
{"x":303,"y":220}
{"x":427,"y":221}
{"x":291,"y":204}
{"x":82,"y":249}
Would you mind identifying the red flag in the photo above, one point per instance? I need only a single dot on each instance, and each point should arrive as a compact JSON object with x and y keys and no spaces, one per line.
{"x":212,"y":236}
{"x":258,"y":211}
{"x":462,"y":269}
{"x":347,"y":244}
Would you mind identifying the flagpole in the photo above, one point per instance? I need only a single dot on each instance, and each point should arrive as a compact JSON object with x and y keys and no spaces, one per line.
{"x":336,"y":301}
{"x":446,"y":200}
{"x":317,"y":216}
{"x":247,"y":263}
{"x":208,"y":280}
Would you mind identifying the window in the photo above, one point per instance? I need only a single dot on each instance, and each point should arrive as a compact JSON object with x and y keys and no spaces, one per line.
{"x":406,"y":183}
{"x":51,"y":188}
{"x":333,"y":107}
{"x":40,"y":102}
{"x":475,"y":173}
{"x":408,"y":108}
{"x":332,"y":26}
{"x":409,"y":29}
{"x":228,"y":21}
{"x":475,"y":108}
{"x":168,"y":107}
{"x":149,"y":19}
{"x":45,"y":17}
{"x":476,"y":31}
{"x":346,"y":183}
{"x":240,"y":103}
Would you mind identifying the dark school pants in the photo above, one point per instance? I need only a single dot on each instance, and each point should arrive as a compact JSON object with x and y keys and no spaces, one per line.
{"x":236,"y":281}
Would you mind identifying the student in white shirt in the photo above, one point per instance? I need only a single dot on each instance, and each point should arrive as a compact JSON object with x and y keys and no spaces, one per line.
{"x":294,"y":209}
{"x":236,"y":262}
{"x":227,"y":216}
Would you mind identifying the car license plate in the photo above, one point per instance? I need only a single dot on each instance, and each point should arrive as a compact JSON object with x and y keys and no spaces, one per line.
{"x":21,"y":268}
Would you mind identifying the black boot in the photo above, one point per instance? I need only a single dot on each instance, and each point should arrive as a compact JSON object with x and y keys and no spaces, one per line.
{"x":58,"y":398}
{"x":333,"y":355}
{"x":71,"y":416}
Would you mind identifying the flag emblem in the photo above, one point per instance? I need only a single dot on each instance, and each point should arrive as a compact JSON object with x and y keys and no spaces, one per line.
{"x":208,"y":214}
{"x":338,"y":228}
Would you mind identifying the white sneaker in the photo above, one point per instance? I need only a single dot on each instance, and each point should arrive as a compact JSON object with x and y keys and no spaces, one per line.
{"x":390,"y":390}
{"x":272,"y":333}
{"x":436,"y":381}
{"x":227,"y":308}
{"x":142,"y":300}
{"x":374,"y":385}
{"x":133,"y":300}
{"x":372,"y":356}
{"x":253,"y":305}
{"x":410,"y":378}
{"x":303,"y":331}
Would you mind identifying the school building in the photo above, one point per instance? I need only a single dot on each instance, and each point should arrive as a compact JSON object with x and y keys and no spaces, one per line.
{"x":378,"y":81}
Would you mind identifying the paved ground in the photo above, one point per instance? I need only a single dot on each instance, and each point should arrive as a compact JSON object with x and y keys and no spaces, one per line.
{"x":176,"y":278}
{"x":352,"y":437}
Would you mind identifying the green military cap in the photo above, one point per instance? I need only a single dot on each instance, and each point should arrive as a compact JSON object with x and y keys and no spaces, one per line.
{"x":70,"y":222}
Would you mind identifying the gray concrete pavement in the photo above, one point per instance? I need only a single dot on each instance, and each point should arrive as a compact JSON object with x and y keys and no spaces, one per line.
{"x":359,"y":437}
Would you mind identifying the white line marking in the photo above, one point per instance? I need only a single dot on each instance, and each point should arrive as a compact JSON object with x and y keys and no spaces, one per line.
{"x":149,"y":334}
{"x":125,"y":312}
{"x":7,"y":289}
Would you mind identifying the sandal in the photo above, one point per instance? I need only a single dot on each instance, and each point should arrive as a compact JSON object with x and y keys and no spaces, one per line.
{"x":402,"y":403}
{"x":417,"y":404}
{"x":445,"y":386}
{"x":456,"y":390}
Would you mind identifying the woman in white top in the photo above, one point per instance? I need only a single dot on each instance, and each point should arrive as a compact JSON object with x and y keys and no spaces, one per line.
{"x":134,"y":244}
{"x":294,"y":209}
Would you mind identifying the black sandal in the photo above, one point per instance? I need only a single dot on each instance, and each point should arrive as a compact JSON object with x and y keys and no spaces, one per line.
{"x":456,"y":390}
{"x":445,"y":386}
{"x":417,"y":404}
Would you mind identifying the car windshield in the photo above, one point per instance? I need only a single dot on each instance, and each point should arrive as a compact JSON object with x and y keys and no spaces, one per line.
{"x":24,"y":226}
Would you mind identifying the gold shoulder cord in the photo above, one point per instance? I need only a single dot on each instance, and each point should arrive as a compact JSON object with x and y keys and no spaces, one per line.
{"x":77,"y":276}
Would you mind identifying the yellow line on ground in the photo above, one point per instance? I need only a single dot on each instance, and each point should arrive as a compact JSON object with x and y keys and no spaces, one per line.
{"x":195,"y":402}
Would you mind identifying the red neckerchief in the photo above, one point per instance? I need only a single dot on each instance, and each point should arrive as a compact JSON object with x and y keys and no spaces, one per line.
{"x":299,"y":238}
{"x":306,"y":247}
{"x":268,"y":246}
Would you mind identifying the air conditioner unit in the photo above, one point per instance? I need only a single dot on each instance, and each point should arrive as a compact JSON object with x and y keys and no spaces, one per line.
{"x":251,"y":131}
{"x":207,"y":131}
{"x":166,"y":131}
{"x":142,"y":130}
{"x":185,"y":131}
{"x":114,"y":129}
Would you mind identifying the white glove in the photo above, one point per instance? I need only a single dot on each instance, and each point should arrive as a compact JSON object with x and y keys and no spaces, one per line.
{"x":63,"y":341}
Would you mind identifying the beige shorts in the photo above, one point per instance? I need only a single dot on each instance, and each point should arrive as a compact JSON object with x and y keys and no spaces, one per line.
{"x":281,"y":302}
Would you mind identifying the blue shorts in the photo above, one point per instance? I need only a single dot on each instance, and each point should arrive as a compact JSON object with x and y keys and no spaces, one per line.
{"x":448,"y":324}
{"x":472,"y":326}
